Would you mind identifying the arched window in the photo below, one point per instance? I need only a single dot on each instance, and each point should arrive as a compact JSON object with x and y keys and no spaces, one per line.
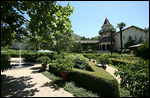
{"x":100,"y":47}
{"x":108,"y":46}
{"x":103,"y":47}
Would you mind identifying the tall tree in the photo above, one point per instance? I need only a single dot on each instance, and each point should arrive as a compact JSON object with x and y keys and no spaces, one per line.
{"x":46,"y":18}
{"x":121,"y":26}
{"x":112,"y":30}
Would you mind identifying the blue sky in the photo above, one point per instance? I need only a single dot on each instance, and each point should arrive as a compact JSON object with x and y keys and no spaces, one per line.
{"x":89,"y":16}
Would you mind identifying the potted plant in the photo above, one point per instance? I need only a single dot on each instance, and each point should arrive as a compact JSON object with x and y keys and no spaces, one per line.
{"x":64,"y":66}
{"x":103,"y":60}
{"x":44,"y":60}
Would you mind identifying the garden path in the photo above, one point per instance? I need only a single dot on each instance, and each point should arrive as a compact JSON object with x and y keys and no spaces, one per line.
{"x":27,"y":82}
{"x":112,"y":70}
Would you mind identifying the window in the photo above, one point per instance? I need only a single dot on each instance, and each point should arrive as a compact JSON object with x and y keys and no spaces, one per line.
{"x":123,"y":37}
{"x":135,"y":38}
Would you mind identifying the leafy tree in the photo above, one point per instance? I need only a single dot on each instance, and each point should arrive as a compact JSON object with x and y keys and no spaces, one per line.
{"x":33,"y":43}
{"x":130,"y":42}
{"x":96,"y":38}
{"x":84,"y":38}
{"x":135,"y":78}
{"x":46,"y":18}
{"x":112,"y":30}
{"x":11,"y":22}
{"x":143,"y":51}
{"x":77,"y":47}
{"x":121,"y":26}
{"x":64,"y":41}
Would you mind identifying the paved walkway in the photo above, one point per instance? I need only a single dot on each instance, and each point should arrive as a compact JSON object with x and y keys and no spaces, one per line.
{"x":112,"y":70}
{"x":27,"y":82}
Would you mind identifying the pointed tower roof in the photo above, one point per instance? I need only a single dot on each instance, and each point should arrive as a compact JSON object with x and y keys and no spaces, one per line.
{"x":106,"y":22}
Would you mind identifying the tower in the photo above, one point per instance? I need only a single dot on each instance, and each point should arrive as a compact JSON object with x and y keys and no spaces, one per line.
{"x":105,"y":42}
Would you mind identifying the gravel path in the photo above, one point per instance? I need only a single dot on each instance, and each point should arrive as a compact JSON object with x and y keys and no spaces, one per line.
{"x":111,"y":70}
{"x":27,"y":82}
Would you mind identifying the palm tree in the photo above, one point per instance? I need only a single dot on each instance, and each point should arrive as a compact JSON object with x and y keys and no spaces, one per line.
{"x":121,"y":26}
{"x":112,"y":30}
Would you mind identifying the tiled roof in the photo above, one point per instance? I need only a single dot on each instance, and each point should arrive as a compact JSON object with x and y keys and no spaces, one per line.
{"x":87,"y":41}
{"x":130,"y":27}
{"x":107,"y":39}
{"x":106,"y":22}
{"x":137,"y":45}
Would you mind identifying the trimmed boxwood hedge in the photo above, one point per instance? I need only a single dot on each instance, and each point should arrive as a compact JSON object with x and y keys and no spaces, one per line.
{"x":5,"y":62}
{"x":99,"y":81}
{"x":117,"y":61}
{"x":92,"y":56}
{"x":31,"y":57}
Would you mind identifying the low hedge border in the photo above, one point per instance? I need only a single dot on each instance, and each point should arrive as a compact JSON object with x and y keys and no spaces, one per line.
{"x":98,"y":81}
{"x":117,"y":61}
{"x":31,"y":57}
{"x":5,"y":62}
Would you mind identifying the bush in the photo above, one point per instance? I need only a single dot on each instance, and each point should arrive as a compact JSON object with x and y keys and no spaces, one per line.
{"x":5,"y":62}
{"x":44,"y":59}
{"x":64,"y":64}
{"x":95,"y":82}
{"x":98,"y":81}
{"x":30,"y":57}
{"x":79,"y":61}
{"x":143,"y":51}
{"x":117,"y":61}
{"x":103,"y":60}
{"x":135,"y":78}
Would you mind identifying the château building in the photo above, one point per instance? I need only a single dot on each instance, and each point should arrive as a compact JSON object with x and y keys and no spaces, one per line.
{"x":135,"y":32}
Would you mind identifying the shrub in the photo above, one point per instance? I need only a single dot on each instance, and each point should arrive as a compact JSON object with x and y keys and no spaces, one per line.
{"x":5,"y":62}
{"x":64,"y":64}
{"x":79,"y":61}
{"x":103,"y":60}
{"x":135,"y":78}
{"x":117,"y":61}
{"x":143,"y":51}
{"x":44,"y":59}
{"x":98,"y":81}
{"x":30,"y":57}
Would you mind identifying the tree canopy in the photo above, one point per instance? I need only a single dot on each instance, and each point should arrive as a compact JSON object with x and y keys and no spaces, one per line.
{"x":47,"y":20}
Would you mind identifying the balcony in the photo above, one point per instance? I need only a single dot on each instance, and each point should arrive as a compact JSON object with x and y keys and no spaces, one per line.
{"x":103,"y":30}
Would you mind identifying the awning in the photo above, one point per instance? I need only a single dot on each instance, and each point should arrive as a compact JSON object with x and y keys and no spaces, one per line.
{"x":134,"y":46}
{"x":45,"y":51}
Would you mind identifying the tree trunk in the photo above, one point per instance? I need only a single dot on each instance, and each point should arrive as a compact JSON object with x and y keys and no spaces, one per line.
{"x":121,"y":39}
{"x":111,"y":43}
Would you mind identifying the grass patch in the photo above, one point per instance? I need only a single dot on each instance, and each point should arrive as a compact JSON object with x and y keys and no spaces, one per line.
{"x":70,"y":86}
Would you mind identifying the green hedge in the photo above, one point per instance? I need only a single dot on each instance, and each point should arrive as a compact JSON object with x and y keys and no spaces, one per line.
{"x":117,"y":61}
{"x":92,"y":56}
{"x":31,"y":57}
{"x":5,"y":62}
{"x":143,"y":51}
{"x":98,"y":81}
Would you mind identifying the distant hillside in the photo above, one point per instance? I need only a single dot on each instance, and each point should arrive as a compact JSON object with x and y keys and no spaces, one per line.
{"x":96,"y":38}
{"x":77,"y":37}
